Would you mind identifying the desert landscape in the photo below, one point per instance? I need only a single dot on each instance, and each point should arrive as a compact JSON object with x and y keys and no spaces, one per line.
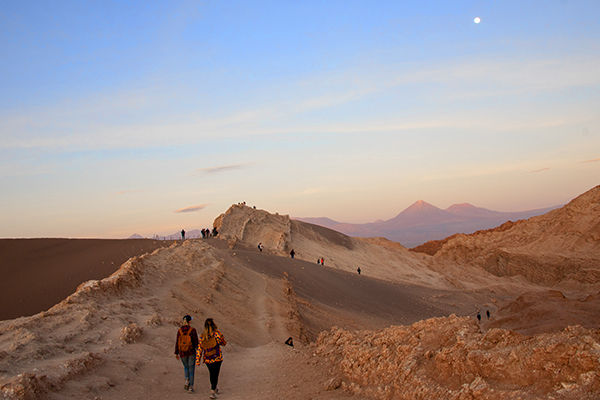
{"x":406,"y":327}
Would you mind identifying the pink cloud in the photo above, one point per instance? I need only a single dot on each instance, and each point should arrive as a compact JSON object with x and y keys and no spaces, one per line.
{"x":223,"y":168}
{"x":593,"y":160}
{"x":538,"y":170}
{"x":191,"y":208}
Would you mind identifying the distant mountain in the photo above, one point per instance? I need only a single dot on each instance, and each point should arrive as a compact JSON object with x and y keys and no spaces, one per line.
{"x":419,"y":213}
{"x":421,"y":222}
{"x":469,"y":211}
{"x":135,"y":236}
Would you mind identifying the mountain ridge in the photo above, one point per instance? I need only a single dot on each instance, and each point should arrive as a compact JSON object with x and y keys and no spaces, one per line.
{"x":422,"y":222}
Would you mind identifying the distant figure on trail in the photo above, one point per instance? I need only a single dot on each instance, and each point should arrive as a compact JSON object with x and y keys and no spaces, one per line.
{"x":478,"y":317}
{"x":210,"y":353}
{"x":214,"y":232}
{"x":185,"y":350}
{"x":322,"y":261}
{"x":292,"y":253}
{"x":358,"y":270}
{"x":290,"y":342}
{"x":487,"y":312}
{"x":318,"y":261}
{"x":260,"y":247}
{"x":182,"y":234}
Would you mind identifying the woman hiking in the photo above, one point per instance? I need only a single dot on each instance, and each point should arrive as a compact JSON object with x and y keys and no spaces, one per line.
{"x":185,"y":350}
{"x":209,"y":353}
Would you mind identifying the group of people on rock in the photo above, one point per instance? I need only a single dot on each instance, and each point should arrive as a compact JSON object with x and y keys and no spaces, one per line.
{"x":206,"y":233}
{"x":192,"y":350}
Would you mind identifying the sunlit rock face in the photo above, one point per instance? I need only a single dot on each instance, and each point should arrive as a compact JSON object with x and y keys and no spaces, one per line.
{"x":562,"y":246}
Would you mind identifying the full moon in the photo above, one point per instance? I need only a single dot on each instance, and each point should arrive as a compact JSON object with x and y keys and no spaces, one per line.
{"x":477,"y":20}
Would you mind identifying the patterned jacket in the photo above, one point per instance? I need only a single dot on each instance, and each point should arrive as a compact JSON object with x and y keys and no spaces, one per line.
{"x":200,"y":355}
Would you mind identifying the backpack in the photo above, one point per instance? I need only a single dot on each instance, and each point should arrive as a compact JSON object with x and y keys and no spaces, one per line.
{"x":184,"y":342}
{"x":211,"y":348}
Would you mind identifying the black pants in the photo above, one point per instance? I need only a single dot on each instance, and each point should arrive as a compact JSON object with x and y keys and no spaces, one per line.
{"x":213,"y":370}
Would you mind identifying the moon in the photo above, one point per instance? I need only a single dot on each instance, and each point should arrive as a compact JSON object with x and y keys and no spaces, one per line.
{"x":477,"y":20}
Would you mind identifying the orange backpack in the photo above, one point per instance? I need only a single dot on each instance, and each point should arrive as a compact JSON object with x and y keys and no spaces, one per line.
{"x":211,"y":348}
{"x":184,"y":342}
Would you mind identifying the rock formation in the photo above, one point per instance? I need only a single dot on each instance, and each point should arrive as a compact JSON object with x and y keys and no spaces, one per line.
{"x":562,"y":246}
{"x":450,"y":359}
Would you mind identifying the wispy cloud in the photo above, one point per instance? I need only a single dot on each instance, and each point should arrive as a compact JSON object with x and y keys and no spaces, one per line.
{"x":129,"y":117}
{"x":133,"y":191}
{"x":593,"y":160}
{"x":538,"y":170}
{"x":191,"y":208}
{"x":222,"y":168}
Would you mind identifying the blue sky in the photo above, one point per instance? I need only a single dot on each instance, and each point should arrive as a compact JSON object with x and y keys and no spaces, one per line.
{"x":122,"y":117}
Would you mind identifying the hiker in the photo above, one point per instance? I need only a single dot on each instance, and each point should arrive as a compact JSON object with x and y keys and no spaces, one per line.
{"x":214,"y":232}
{"x":210,"y":353}
{"x":478,"y":317}
{"x":182,"y":234}
{"x":322,"y":261}
{"x":487,"y":312}
{"x":292,"y":253}
{"x":185,"y":350}
{"x":260,"y":247}
{"x":318,"y":261}
{"x":358,"y":270}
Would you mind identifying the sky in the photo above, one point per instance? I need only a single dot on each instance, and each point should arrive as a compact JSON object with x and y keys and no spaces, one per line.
{"x":123,"y":117}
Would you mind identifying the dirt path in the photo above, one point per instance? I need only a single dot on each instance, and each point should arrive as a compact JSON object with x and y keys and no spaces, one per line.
{"x":272,"y":371}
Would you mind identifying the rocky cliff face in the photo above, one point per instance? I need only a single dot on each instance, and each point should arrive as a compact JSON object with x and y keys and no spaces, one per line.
{"x":561,"y":246}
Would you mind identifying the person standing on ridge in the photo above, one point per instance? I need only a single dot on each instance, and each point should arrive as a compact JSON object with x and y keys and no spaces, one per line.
{"x":292,"y":253}
{"x":185,"y":350}
{"x":182,"y":234}
{"x":478,"y":317}
{"x":210,"y":353}
{"x":358,"y":270}
{"x":260,"y":247}
{"x":487,"y":312}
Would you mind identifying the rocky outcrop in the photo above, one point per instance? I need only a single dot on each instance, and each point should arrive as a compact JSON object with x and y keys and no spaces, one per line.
{"x":249,"y":226}
{"x":449,"y":358}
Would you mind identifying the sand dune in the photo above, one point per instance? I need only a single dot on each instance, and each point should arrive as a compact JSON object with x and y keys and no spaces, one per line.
{"x":38,"y":273}
{"x":405,"y":328}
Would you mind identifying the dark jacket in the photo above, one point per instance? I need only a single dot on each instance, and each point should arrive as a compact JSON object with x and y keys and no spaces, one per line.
{"x":193,"y":336}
